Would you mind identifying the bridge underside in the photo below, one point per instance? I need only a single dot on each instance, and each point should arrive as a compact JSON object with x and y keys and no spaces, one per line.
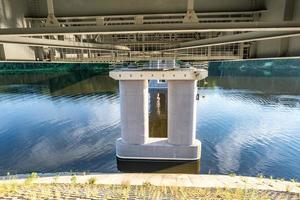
{"x":117,"y":31}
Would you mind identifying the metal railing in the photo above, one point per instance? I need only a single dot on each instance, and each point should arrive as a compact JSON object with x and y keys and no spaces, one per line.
{"x":171,"y":18}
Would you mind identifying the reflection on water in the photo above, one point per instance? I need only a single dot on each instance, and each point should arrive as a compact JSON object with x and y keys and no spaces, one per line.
{"x":62,"y":122}
{"x":158,"y":113}
{"x":250,"y":126}
{"x":58,"y":124}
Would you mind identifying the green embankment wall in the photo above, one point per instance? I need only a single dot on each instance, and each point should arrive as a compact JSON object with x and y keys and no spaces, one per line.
{"x":265,"y":67}
{"x":13,"y":67}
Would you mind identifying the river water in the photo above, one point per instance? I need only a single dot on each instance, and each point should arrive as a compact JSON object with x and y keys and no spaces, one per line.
{"x":62,"y":122}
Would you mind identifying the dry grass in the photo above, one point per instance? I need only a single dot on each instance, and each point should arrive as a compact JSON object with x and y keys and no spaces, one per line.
{"x":126,"y":191}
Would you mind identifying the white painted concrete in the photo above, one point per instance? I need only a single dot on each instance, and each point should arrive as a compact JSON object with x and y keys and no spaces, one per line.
{"x":182,"y":112}
{"x":12,"y":16}
{"x":158,"y":149}
{"x":181,"y":143}
{"x":134,"y":111}
{"x":176,"y":74}
{"x":17,"y":52}
{"x":279,"y":11}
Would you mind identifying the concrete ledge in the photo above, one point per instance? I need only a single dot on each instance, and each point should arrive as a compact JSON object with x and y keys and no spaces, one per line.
{"x":158,"y":149}
{"x":176,"y":74}
{"x":180,"y":180}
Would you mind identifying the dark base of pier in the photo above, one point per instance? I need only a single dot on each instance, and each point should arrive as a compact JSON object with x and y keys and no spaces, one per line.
{"x":158,"y":166}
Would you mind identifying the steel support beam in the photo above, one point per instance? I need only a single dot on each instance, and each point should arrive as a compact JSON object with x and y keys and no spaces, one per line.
{"x":51,"y":19}
{"x":190,"y":4}
{"x":60,"y":44}
{"x":237,"y":38}
{"x":191,"y":16}
{"x":158,"y":28}
{"x":50,"y":7}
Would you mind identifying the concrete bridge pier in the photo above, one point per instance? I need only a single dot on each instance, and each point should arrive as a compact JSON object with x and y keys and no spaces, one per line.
{"x":135,"y":143}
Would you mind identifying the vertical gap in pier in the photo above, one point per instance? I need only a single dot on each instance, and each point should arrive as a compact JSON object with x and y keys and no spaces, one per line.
{"x":158,"y":109}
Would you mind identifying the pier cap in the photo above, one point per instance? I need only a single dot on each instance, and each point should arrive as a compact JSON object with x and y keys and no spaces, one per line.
{"x":190,"y":73}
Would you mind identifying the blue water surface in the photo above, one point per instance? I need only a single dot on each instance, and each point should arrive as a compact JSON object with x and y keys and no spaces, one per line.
{"x":61,"y":122}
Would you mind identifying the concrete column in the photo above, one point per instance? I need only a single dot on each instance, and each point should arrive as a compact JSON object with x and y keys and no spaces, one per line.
{"x":182,"y":112}
{"x":208,"y":52}
{"x":2,"y":52}
{"x":134,"y":111}
{"x":39,"y":53}
{"x":241,"y":50}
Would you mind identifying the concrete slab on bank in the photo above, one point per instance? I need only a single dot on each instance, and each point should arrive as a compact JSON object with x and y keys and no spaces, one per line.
{"x":179,"y":180}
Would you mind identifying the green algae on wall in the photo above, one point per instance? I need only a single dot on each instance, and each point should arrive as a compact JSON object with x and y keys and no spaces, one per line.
{"x":14,"y":67}
{"x":259,"y":67}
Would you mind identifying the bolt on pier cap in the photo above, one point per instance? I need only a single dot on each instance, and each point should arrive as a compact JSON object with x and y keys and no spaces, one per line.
{"x":162,"y":72}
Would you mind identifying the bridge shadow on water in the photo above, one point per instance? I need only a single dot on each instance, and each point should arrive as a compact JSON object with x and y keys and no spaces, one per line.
{"x":151,"y":166}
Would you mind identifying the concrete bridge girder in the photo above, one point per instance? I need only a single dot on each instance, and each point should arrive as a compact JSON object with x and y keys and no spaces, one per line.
{"x":38,"y":42}
{"x":261,"y":17}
